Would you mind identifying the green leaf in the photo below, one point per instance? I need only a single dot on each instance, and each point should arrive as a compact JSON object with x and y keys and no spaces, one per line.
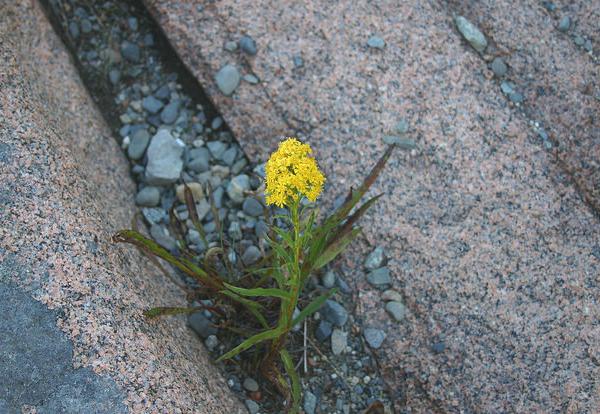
{"x":288,"y":364}
{"x":250,"y":342}
{"x":334,"y":249}
{"x":168,"y":311}
{"x":253,"y":307}
{"x":285,"y":236}
{"x":352,"y":220}
{"x":313,"y":306}
{"x":264,"y":292}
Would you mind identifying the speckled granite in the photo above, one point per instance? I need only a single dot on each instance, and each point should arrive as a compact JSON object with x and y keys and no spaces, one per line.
{"x":490,"y":244}
{"x":560,"y":81}
{"x":64,"y":189}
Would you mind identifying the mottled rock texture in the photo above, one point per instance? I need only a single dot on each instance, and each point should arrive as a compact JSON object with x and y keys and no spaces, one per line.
{"x":72,"y":334}
{"x":490,"y":243}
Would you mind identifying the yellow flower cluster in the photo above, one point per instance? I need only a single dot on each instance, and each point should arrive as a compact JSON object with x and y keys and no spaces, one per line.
{"x":291,"y":173}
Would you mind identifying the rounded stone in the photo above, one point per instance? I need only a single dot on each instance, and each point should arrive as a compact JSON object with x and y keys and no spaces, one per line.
{"x":564,"y":24}
{"x":248,"y":45}
{"x":130,"y":51}
{"x":397,"y":310}
{"x":251,"y":255}
{"x":228,"y":78}
{"x":499,"y":67}
{"x":471,"y":34}
{"x":250,"y":384}
{"x":148,"y":197}
{"x":252,"y":207}
{"x":374,"y":337}
{"x":375,"y":259}
{"x":139,"y":143}
{"x":237,"y":186}
{"x":376,"y":42}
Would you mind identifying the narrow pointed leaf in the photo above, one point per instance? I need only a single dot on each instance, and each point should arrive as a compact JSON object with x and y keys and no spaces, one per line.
{"x":335,"y":248}
{"x":288,"y":364}
{"x":250,"y":342}
{"x":313,"y":306}
{"x":352,"y":220}
{"x":263,"y":292}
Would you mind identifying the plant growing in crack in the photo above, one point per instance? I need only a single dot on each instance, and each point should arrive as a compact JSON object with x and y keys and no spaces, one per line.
{"x":270,"y":291}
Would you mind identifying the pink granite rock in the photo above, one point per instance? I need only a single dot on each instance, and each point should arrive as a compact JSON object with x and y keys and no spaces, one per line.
{"x":77,"y":340}
{"x":489,"y":241}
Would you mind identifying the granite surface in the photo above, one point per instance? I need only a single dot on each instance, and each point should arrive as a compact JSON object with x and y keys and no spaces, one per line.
{"x":72,"y":334}
{"x":492,"y":244}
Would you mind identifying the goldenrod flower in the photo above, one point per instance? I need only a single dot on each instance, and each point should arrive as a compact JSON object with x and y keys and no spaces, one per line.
{"x":291,"y":173}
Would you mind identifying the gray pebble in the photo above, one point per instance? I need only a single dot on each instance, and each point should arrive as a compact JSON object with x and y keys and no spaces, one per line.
{"x":579,"y":41}
{"x":252,"y":406}
{"x":251,"y":79}
{"x":390,"y":295}
{"x":218,"y":196}
{"x":164,"y":159}
{"x":228,"y":157}
{"x":216,"y":148}
{"x":114,"y":76}
{"x":298,"y":62}
{"x":251,"y":255}
{"x":237,"y":186}
{"x":130,"y":51}
{"x":310,"y":402}
{"x":438,"y":347}
{"x":328,"y":279}
{"x":211,"y":342}
{"x":228,"y":79}
{"x":133,"y":23}
{"x":250,"y":384}
{"x":216,"y":123}
{"x":339,"y":340}
{"x":201,"y":325}
{"x":139,"y":143}
{"x":588,"y":45}
{"x":375,"y":259}
{"x":516,"y":97}
{"x":471,"y":33}
{"x":376,"y":42}
{"x":323,"y":331}
{"x":231,"y":46}
{"x":153,"y":215}
{"x":548,"y":5}
{"x":402,"y":142}
{"x":344,"y":287}
{"x":334,"y":313}
{"x":86,"y":26}
{"x":163,"y":92}
{"x":507,"y":87}
{"x":564,"y":24}
{"x":499,"y":67}
{"x":148,"y":197}
{"x":170,"y":112}
{"x":160,"y":236}
{"x":374,"y":337}
{"x":248,"y":45}
{"x":74,"y":30}
{"x":235,"y":231}
{"x":397,"y":310}
{"x":151,"y":104}
{"x":261,"y":229}
{"x":379,"y":277}
{"x":252,"y":207}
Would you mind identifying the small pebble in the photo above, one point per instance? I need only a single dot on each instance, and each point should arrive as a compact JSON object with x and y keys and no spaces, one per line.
{"x":216,"y":123}
{"x":499,"y":67}
{"x":334,"y":313}
{"x":323,"y":330}
{"x":114,"y":76}
{"x":374,"y":337}
{"x":211,"y":342}
{"x":74,"y":30}
{"x":86,"y":26}
{"x":564,"y":24}
{"x":250,"y":384}
{"x":252,"y":207}
{"x":339,"y":340}
{"x":376,"y":42}
{"x":248,"y":45}
{"x":375,"y":259}
{"x":298,"y":62}
{"x":391,"y":295}
{"x":132,"y":22}
{"x":379,"y":277}
{"x":251,"y":255}
{"x":328,"y":279}
{"x":251,"y":79}
{"x":170,"y":112}
{"x":148,"y":197}
{"x":151,"y":104}
{"x":228,"y":79}
{"x":252,"y":406}
{"x":310,"y":402}
{"x":231,"y":46}
{"x":397,"y":310}
{"x":471,"y":34}
{"x":130,"y":51}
